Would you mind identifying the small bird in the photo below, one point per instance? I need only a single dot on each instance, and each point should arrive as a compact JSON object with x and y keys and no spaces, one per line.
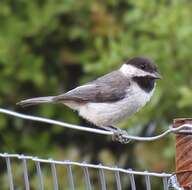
{"x":110,"y":98}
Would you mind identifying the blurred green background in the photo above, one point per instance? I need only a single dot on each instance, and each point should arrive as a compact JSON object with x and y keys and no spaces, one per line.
{"x":48,"y":47}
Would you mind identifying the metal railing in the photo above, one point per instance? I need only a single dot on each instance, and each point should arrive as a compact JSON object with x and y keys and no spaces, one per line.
{"x":88,"y":185}
{"x":181,"y":128}
{"x":130,"y":183}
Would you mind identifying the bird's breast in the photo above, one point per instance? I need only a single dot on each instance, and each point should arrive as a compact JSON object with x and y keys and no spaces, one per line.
{"x":110,"y":113}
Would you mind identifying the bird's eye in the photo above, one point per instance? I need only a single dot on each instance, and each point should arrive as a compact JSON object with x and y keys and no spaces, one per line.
{"x":143,"y":66}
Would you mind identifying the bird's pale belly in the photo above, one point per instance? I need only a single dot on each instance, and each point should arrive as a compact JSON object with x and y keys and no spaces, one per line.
{"x":106,"y":114}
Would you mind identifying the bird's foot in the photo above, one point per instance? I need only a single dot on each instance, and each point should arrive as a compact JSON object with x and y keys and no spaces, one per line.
{"x":119,"y":135}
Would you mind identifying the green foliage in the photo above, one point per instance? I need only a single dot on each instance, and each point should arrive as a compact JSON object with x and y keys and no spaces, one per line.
{"x":49,"y":46}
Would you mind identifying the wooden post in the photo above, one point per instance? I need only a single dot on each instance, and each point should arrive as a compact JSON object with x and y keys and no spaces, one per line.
{"x":184,"y":155}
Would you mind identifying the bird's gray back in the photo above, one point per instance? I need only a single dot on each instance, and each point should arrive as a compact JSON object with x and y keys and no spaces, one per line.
{"x":108,"y":88}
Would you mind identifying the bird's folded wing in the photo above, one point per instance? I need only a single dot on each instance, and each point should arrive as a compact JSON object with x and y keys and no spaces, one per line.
{"x":109,"y":88}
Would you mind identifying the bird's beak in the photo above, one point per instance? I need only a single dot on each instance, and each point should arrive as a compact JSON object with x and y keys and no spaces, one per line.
{"x":156,"y":75}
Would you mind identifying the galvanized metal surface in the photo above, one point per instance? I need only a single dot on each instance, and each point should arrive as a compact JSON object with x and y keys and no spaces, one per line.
{"x":181,"y":129}
{"x":85,"y":167}
{"x":131,"y":176}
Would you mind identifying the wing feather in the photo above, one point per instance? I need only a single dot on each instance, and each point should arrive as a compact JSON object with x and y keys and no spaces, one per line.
{"x":109,"y":88}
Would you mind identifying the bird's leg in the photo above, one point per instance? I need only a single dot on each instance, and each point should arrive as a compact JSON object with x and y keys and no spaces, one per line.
{"x":109,"y":128}
{"x":118,"y":134}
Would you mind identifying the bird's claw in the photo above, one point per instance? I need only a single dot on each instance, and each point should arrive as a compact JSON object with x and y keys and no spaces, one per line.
{"x":119,"y":136}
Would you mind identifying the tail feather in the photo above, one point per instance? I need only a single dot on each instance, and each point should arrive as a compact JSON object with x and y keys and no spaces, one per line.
{"x":35,"y":101}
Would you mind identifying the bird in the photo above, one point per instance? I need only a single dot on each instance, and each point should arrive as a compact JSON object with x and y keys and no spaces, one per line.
{"x":112,"y":97}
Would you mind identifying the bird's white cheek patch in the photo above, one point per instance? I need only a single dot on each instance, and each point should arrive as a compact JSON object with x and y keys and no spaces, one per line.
{"x":131,"y":71}
{"x":128,"y":70}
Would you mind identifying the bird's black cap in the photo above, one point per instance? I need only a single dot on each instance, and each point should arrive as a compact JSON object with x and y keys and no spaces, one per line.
{"x":143,"y":63}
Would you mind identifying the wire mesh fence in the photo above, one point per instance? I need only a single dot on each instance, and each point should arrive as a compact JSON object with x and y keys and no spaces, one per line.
{"x":92,"y":176}
{"x":27,"y":172}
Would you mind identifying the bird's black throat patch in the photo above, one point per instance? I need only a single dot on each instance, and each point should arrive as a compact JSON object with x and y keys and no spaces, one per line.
{"x":145,"y":83}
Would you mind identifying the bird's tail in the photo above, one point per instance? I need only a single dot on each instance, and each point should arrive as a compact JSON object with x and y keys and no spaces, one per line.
{"x":35,"y":101}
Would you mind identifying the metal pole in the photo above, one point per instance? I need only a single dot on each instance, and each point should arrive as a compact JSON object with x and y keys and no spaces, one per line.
{"x":184,"y":154}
